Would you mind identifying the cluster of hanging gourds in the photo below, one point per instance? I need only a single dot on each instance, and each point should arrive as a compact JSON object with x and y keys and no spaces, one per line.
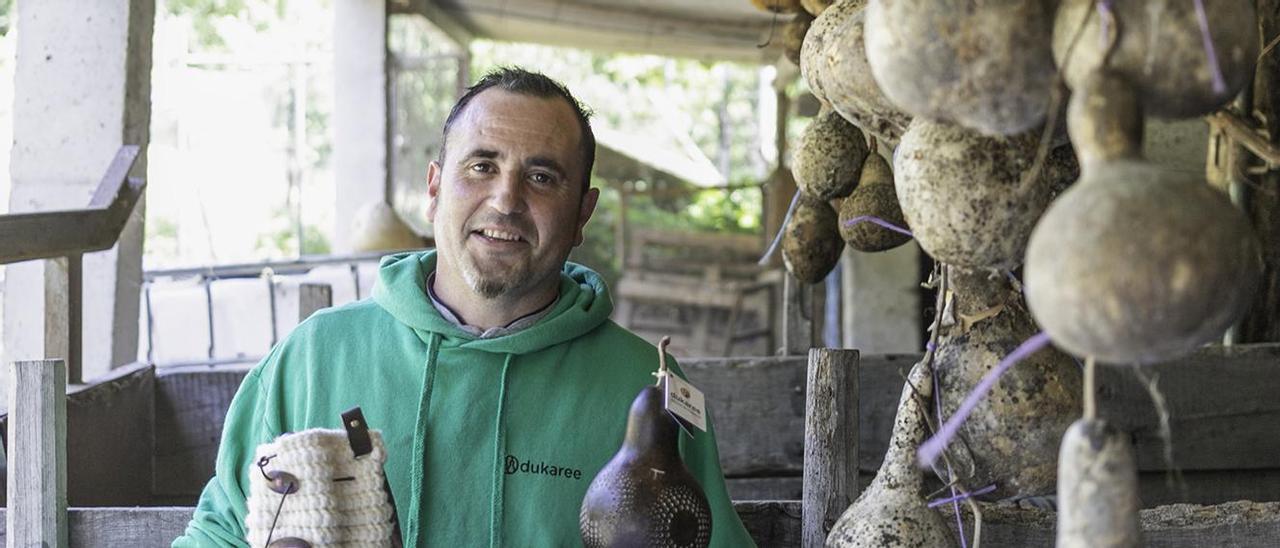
{"x":1125,"y":262}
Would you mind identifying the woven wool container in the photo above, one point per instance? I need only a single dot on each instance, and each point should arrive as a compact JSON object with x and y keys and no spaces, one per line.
{"x":339,"y":499}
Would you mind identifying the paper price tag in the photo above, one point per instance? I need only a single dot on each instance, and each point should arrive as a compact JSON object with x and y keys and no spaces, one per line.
{"x":686,"y":402}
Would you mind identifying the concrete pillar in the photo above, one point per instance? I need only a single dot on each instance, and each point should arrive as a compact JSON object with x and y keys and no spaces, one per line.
{"x":82,"y":88}
{"x":360,"y":147}
{"x":881,"y":294}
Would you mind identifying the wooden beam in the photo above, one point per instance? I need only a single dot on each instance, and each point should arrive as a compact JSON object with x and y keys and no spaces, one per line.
{"x":830,"y":441}
{"x":60,"y":233}
{"x":37,"y":454}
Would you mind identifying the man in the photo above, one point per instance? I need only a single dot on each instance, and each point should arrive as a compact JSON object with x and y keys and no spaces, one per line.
{"x":490,"y":364}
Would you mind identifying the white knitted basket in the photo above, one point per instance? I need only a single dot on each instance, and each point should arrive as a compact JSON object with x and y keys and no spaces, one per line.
{"x":323,"y":512}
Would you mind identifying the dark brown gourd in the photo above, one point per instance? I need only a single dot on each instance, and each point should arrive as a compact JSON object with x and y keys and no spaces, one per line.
{"x":874,"y":197}
{"x":793,"y":36}
{"x":645,"y":496}
{"x":811,"y":243}
{"x":829,"y":158}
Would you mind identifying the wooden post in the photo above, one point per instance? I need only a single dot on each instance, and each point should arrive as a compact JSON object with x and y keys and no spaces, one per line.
{"x":312,"y":298}
{"x":37,"y":454}
{"x":830,"y":442}
{"x":1262,"y":322}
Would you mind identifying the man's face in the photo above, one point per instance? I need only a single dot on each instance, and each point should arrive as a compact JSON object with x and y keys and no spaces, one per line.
{"x":507,"y":204}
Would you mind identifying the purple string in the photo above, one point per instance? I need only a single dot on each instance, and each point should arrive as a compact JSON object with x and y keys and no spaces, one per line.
{"x":951,"y":474}
{"x":1219,"y":86}
{"x":931,"y":449}
{"x":880,"y":222}
{"x":1104,"y":15}
{"x":777,"y":239}
{"x":962,"y":496}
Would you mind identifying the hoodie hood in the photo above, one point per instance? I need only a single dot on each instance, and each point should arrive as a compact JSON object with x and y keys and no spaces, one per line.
{"x":583,"y":305}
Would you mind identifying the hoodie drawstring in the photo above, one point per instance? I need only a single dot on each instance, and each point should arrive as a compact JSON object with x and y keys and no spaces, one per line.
{"x":499,"y":447}
{"x":417,"y":510}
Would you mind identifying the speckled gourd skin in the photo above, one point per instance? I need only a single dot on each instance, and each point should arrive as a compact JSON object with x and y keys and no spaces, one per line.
{"x":1160,"y":49}
{"x":892,"y":512}
{"x":961,"y":192}
{"x":777,"y":6}
{"x":811,"y":243}
{"x":1138,"y":265}
{"x":821,"y":35}
{"x":829,"y":157}
{"x":850,"y":88}
{"x":874,"y":196}
{"x":793,"y":35}
{"x":1097,"y":488}
{"x":985,"y":65}
{"x":1011,"y":438}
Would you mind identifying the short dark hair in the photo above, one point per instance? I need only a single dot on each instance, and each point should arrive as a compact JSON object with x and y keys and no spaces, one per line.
{"x":535,"y":84}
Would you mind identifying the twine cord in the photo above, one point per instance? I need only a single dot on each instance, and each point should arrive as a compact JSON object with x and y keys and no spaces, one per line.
{"x":929,"y":451}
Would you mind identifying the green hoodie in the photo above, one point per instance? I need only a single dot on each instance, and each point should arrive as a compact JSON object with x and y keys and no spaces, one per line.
{"x":511,"y":430}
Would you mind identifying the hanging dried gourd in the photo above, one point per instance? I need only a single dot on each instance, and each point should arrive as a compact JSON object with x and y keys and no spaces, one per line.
{"x":985,"y":65}
{"x":1010,"y":440}
{"x":1135,"y":264}
{"x":965,"y":194}
{"x":821,"y":35}
{"x":1097,"y":488}
{"x":793,"y":35}
{"x":892,"y":511}
{"x":849,"y":86}
{"x":829,"y":157}
{"x":811,"y":243}
{"x":873,"y":200}
{"x":645,"y":495}
{"x":1158,"y":46}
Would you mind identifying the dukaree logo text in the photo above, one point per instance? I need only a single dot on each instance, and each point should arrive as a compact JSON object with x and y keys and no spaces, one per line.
{"x":514,"y":465}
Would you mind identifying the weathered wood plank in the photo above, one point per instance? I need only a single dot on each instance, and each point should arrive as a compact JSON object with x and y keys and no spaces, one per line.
{"x":831,"y":441}
{"x":190,"y":406}
{"x":758,"y":407}
{"x":37,"y":454}
{"x":771,"y":523}
{"x":109,"y":439}
{"x":1223,"y":411}
{"x":1237,"y":524}
{"x":140,"y":527}
{"x":766,"y":488}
